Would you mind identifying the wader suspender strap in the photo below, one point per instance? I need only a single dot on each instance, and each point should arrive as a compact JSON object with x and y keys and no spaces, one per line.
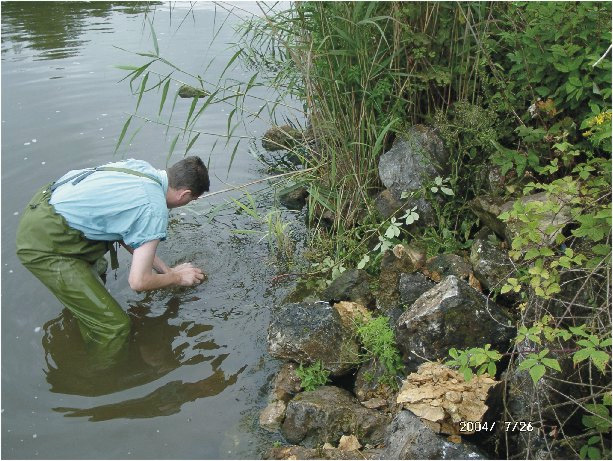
{"x":85,"y":173}
{"x":76,"y":179}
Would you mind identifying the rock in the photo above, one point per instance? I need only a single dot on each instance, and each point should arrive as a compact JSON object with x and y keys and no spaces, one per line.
{"x":387,"y":205}
{"x":375,"y":403}
{"x":307,"y":332}
{"x":351,"y":285}
{"x":495,"y":180}
{"x":293,"y":197}
{"x":272,"y":416}
{"x":412,"y":286}
{"x":298,"y":452}
{"x":349,"y":443}
{"x":286,"y":383}
{"x":449,"y":264}
{"x":452,"y":314}
{"x":491,"y":265}
{"x":441,"y":395}
{"x":281,"y":138}
{"x":408,"y":437}
{"x":352,"y":313}
{"x":488,"y":208}
{"x":186,"y":91}
{"x":368,"y":382}
{"x":414,"y":160}
{"x":387,"y":296}
{"x":326,"y":414}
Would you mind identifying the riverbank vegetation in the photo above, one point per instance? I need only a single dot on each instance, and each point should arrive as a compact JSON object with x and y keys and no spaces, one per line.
{"x":520,"y":95}
{"x":517,"y":91}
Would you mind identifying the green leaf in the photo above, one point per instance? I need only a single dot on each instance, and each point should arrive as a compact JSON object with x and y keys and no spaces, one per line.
{"x":537,"y":372}
{"x":551,"y":363}
{"x":172,"y":147}
{"x":527,"y":363}
{"x":164,"y":94}
{"x":381,"y":137}
{"x":142,"y":90}
{"x":593,"y":453}
{"x":581,"y":355}
{"x":233,"y":154}
{"x":191,"y":111}
{"x":491,"y":369}
{"x":600,"y":359}
{"x":191,"y":143}
{"x":232,"y":59}
{"x":127,"y":67}
{"x":155,"y":39}
{"x":123,"y":133}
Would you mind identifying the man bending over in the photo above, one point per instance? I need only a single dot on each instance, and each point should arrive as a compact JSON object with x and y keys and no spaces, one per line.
{"x":69,"y":225}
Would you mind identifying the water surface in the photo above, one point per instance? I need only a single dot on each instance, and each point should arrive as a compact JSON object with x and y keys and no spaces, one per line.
{"x":194,"y":378}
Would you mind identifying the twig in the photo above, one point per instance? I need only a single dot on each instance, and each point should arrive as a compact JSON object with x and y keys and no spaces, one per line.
{"x":269,"y":178}
{"x":603,"y":56}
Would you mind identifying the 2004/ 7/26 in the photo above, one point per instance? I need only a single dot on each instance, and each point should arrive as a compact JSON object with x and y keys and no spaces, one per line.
{"x":478,"y":426}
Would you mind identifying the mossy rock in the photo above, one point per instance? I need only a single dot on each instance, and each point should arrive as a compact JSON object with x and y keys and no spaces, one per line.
{"x":186,"y":91}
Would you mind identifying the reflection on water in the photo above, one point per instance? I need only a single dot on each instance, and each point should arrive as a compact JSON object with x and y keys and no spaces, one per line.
{"x":54,"y":29}
{"x":157,"y":346}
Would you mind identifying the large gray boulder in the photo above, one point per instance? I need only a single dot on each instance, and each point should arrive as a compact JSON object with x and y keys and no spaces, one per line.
{"x":307,"y":332}
{"x":326,"y":414}
{"x":415,"y":159}
{"x":408,"y":437}
{"x":491,"y":265}
{"x":452,"y":314}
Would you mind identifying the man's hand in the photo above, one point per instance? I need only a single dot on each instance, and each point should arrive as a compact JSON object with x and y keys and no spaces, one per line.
{"x":142,"y":278}
{"x":189,"y":275}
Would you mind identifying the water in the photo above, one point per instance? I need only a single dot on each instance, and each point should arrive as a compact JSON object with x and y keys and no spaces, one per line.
{"x":196,"y":373}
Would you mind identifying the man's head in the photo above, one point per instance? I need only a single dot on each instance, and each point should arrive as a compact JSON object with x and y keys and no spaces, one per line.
{"x":187,"y":180}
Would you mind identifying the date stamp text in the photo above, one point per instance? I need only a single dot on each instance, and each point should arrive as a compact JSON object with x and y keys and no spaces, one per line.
{"x":508,"y":426}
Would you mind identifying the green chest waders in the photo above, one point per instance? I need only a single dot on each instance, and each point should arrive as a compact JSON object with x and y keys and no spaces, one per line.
{"x":63,"y":259}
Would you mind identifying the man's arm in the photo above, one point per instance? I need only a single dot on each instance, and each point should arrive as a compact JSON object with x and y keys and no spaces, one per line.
{"x":159,"y":265}
{"x":142,"y":278}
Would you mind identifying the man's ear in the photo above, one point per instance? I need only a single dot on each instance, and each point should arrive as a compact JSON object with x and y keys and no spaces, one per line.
{"x":184,"y":192}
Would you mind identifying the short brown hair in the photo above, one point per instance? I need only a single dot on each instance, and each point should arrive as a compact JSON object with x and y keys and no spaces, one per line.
{"x":189,"y":173}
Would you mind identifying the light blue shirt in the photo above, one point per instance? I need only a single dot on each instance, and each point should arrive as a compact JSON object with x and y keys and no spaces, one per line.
{"x":111,"y":205}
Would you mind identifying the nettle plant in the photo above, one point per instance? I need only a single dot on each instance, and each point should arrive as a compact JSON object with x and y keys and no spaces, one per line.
{"x":312,"y":376}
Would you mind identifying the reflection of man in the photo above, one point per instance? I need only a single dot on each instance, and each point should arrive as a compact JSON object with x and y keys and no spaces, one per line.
{"x":68,"y":226}
{"x":151,"y":353}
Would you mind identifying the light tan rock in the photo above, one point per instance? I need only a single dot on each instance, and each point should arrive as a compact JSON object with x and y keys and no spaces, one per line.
{"x":328,"y":446}
{"x":426,"y":411}
{"x":286,"y":383}
{"x":351,"y":313}
{"x":272,"y":416}
{"x":440,"y":395}
{"x":374,"y":403}
{"x":349,"y":443}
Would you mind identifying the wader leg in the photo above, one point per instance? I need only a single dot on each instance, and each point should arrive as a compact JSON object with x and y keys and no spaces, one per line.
{"x":103,"y":323}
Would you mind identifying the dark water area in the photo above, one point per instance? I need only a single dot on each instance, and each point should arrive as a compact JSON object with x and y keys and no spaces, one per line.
{"x":194,"y":377}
